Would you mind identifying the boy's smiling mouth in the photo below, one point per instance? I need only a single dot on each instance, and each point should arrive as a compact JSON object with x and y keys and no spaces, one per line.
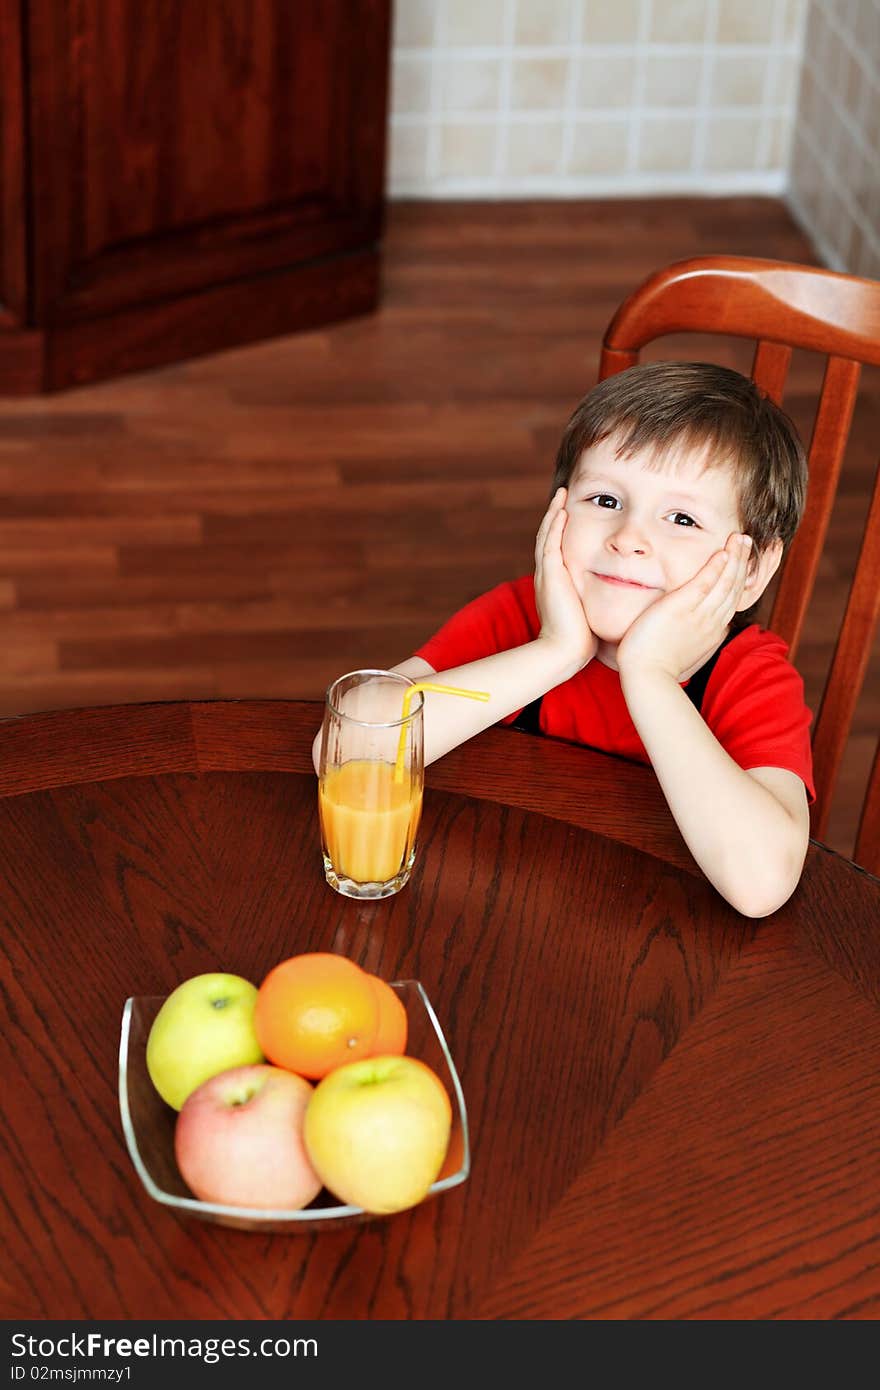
{"x":627,"y":583}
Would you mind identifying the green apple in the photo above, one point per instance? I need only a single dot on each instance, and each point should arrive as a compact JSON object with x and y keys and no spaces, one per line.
{"x":377,"y":1131}
{"x":205,"y":1026}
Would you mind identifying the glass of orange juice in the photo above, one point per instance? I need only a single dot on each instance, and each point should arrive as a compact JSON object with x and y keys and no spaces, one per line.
{"x":370,"y":782}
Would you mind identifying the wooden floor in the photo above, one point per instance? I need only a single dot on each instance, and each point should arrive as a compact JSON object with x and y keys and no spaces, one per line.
{"x":254,"y":523}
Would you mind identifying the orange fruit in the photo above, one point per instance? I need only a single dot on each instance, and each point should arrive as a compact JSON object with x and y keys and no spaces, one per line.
{"x":314,"y":1012}
{"x":390,"y":1039}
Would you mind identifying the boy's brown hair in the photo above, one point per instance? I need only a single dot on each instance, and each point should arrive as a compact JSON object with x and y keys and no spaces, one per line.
{"x":698,"y":405}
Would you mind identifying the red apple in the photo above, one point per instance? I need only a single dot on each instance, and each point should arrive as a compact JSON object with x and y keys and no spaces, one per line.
{"x":238,"y":1140}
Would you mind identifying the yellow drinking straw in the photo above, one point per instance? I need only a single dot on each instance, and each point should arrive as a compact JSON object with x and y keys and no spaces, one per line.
{"x":442,"y":690}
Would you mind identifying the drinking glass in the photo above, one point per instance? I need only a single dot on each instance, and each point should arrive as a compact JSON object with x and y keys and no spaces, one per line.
{"x":370,"y":782}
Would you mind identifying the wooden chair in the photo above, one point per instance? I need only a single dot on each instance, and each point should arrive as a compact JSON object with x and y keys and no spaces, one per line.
{"x":783,"y":306}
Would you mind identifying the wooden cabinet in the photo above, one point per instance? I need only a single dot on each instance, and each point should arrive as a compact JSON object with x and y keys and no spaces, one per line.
{"x":178,"y":176}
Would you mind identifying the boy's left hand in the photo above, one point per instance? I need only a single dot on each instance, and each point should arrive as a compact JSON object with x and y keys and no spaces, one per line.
{"x":682,"y":629}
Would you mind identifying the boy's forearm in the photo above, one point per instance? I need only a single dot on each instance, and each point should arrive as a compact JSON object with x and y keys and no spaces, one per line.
{"x":513,"y":679}
{"x":743,"y":838}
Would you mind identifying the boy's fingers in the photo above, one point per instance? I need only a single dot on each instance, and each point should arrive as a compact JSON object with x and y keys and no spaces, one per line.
{"x":542,"y":532}
{"x":712,"y":586}
{"x":541,"y":544}
{"x":733,"y":560}
{"x":548,"y":544}
{"x":738,"y":549}
{"x":731,"y":578}
{"x":547,"y":519}
{"x":551,"y":544}
{"x":742,"y":569}
{"x":552,"y":539}
{"x":722,"y":574}
{"x":707,"y":580}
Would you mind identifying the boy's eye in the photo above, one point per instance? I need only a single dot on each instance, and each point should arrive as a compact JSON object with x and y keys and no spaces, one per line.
{"x":682,"y":519}
{"x":604,"y":499}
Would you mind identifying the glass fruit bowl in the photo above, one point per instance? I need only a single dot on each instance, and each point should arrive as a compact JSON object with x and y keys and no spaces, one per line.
{"x":148,"y":1124}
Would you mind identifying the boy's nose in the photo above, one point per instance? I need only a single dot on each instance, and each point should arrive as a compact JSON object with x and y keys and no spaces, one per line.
{"x":629,"y":539}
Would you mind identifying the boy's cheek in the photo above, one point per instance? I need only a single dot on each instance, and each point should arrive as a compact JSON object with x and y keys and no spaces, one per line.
{"x":579,"y":558}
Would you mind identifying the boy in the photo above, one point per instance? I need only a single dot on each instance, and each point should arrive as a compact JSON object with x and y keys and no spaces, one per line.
{"x":678,"y":487}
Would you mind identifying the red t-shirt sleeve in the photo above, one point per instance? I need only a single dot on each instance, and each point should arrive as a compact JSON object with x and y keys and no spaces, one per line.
{"x":754,"y":705}
{"x":504,"y":617}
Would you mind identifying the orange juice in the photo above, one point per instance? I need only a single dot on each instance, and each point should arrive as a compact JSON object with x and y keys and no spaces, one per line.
{"x":368,"y":820}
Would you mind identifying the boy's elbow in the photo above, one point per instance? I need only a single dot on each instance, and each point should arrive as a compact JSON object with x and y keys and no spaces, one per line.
{"x":766,"y":892}
{"x":763,"y":904}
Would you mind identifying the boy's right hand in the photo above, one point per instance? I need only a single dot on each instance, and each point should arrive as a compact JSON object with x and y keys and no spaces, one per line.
{"x":563,"y":620}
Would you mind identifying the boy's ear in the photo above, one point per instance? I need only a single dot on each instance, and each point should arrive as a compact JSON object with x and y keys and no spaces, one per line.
{"x":761,"y":570}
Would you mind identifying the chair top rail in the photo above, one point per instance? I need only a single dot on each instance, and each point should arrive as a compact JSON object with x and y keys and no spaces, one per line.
{"x":801,"y":306}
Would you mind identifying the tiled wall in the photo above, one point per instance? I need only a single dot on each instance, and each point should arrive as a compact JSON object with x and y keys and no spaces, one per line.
{"x":834,"y":184}
{"x":509,"y":98}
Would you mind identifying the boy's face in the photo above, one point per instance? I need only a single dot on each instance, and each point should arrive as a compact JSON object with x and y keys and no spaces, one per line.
{"x":634,"y":532}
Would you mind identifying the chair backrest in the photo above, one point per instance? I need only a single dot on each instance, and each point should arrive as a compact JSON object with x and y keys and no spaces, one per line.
{"x":782,"y":306}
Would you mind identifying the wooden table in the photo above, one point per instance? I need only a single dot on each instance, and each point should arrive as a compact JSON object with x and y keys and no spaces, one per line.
{"x":674,"y":1110}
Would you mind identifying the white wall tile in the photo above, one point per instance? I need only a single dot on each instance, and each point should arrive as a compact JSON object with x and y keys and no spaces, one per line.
{"x":777,"y":149}
{"x":871,"y":126}
{"x":678,"y":21}
{"x":467,"y":150}
{"x":732,"y":143}
{"x":414,"y":22}
{"x":672,"y":79}
{"x":616,"y":22}
{"x":506,"y":98}
{"x":539,"y":84}
{"x":834,"y":177}
{"x":792,"y":21}
{"x":607,"y":80}
{"x":599,"y":146}
{"x":534,"y":148}
{"x":738,"y":79}
{"x":865,"y":26}
{"x":464,"y":23}
{"x":783,"y":78}
{"x":470,"y":84}
{"x":666,"y":143}
{"x":408,"y":155}
{"x":543,"y":22}
{"x":411,"y":79}
{"x":744,"y":23}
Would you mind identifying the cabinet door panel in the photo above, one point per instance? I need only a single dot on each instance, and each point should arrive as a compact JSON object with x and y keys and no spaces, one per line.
{"x":178,"y":144}
{"x":13,"y":255}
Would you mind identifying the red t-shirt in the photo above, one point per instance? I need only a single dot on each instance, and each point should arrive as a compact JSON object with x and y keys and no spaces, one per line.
{"x":753,"y":703}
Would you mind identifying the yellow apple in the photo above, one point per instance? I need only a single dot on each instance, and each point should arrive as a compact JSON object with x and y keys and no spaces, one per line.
{"x":205,"y":1026}
{"x":377,"y":1131}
